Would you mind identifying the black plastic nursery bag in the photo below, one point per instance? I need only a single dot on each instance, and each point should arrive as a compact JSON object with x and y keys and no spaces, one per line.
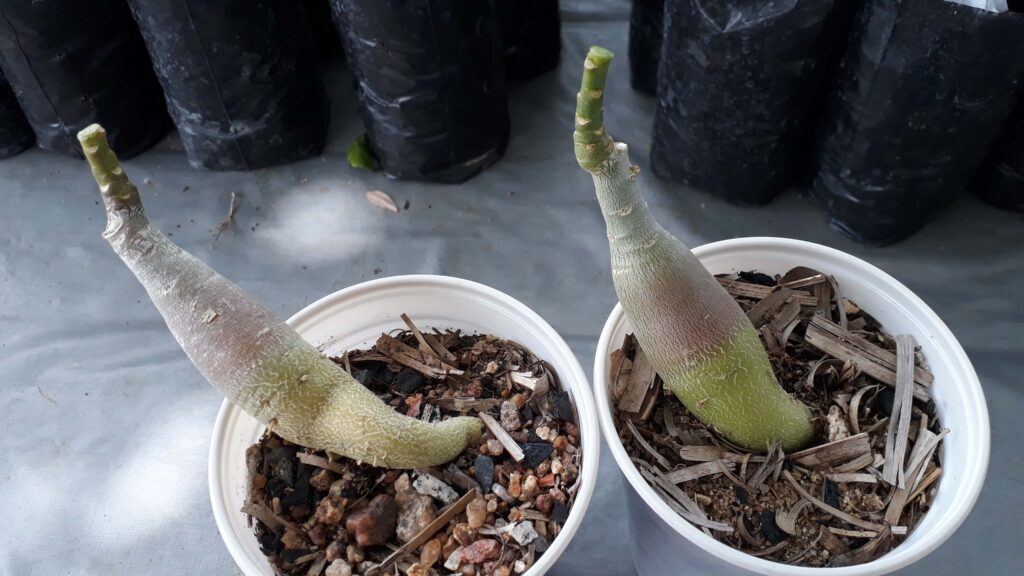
{"x":645,"y":28}
{"x":531,"y":35}
{"x":15,"y":133}
{"x":736,"y":85}
{"x":1000,"y":180}
{"x":430,"y":84}
{"x":240,"y":78}
{"x":925,"y":88}
{"x":73,"y":63}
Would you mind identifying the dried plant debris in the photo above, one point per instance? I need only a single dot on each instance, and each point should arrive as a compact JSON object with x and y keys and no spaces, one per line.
{"x":494,"y":510}
{"x":850,"y":497}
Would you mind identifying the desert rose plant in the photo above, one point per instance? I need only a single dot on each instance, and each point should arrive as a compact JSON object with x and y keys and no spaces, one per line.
{"x":695,"y":335}
{"x":257,"y":361}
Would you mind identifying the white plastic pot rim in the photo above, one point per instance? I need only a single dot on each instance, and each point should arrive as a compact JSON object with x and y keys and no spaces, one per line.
{"x":975,"y":425}
{"x":374,"y":295}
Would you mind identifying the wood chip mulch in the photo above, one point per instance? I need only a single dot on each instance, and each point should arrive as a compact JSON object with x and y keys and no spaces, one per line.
{"x":867,"y":479}
{"x":492,"y":511}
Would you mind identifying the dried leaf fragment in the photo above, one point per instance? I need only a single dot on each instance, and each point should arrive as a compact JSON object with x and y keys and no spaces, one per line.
{"x":382,"y":200}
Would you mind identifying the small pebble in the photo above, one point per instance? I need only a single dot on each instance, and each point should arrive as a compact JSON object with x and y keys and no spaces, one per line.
{"x":335,"y":550}
{"x":515,"y":487}
{"x":544,"y":502}
{"x":481,"y":551}
{"x":374,"y":524}
{"x":491,"y":367}
{"x":556,"y":466}
{"x":530,"y":487}
{"x":418,"y":569}
{"x":436,"y":489}
{"x":476,"y":513}
{"x":484,"y":467}
{"x":492,"y":506}
{"x":354,"y":554}
{"x":339,"y":568}
{"x":319,"y":534}
{"x":321,"y":480}
{"x":524,"y":533}
{"x":519,"y":567}
{"x":502,"y":571}
{"x":502,"y":493}
{"x":414,"y":514}
{"x":292,"y":540}
{"x":454,"y":559}
{"x":494,"y":447}
{"x":330,"y":511}
{"x":463,"y":534}
{"x":510,"y":419}
{"x":431,"y":552}
{"x":518,"y":400}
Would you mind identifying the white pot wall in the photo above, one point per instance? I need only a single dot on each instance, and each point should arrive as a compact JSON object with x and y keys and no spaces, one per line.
{"x":354,"y":318}
{"x":664,"y":544}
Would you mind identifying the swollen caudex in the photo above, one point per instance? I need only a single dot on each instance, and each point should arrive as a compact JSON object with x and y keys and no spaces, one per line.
{"x":693,"y":332}
{"x":258,"y":362}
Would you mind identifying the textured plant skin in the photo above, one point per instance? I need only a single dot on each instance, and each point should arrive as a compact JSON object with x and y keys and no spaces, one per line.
{"x":258,"y":362}
{"x":693,"y":332}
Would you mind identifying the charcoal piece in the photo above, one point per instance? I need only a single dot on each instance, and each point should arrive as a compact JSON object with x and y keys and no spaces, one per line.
{"x":531,"y":37}
{"x":409,"y":381}
{"x":430,"y":84}
{"x":645,"y":29}
{"x":270,"y":542}
{"x":72,"y":64}
{"x":736,"y":87}
{"x":562,"y":406}
{"x":535,"y":453}
{"x":374,"y":375}
{"x":759,"y":278}
{"x":1000,"y":180}
{"x":301,"y":491}
{"x":281,"y":462}
{"x":742,"y":496}
{"x":885,"y":398}
{"x":484,"y":467}
{"x":240,"y":77}
{"x":294,"y":554}
{"x":769,"y":529}
{"x":915,"y":111}
{"x":15,"y":133}
{"x":559,"y":513}
{"x":831,"y":494}
{"x":541,"y":545}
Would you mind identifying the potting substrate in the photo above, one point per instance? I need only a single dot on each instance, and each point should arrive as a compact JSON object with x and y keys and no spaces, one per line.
{"x":496,"y":508}
{"x":862,"y":485}
{"x":72,"y":64}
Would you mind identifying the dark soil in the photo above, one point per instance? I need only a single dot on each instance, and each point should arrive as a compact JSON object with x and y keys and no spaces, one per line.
{"x":315,"y":514}
{"x":751,"y":496}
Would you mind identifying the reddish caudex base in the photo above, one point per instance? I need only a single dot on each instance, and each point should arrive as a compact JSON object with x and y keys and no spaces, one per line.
{"x":693,"y":332}
{"x":254,"y":359}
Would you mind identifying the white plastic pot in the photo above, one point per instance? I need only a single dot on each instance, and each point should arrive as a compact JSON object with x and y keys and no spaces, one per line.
{"x":664,"y":544}
{"x":354,"y":318}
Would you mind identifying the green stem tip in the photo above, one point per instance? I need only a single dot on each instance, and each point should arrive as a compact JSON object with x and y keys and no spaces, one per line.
{"x":593,"y":144}
{"x":117,"y":191}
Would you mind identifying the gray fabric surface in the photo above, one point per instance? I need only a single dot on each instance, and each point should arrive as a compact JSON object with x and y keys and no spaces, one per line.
{"x":106,"y":425}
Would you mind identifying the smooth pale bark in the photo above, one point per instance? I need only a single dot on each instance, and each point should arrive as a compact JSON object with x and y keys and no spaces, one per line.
{"x":694,"y":333}
{"x":257,"y":361}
